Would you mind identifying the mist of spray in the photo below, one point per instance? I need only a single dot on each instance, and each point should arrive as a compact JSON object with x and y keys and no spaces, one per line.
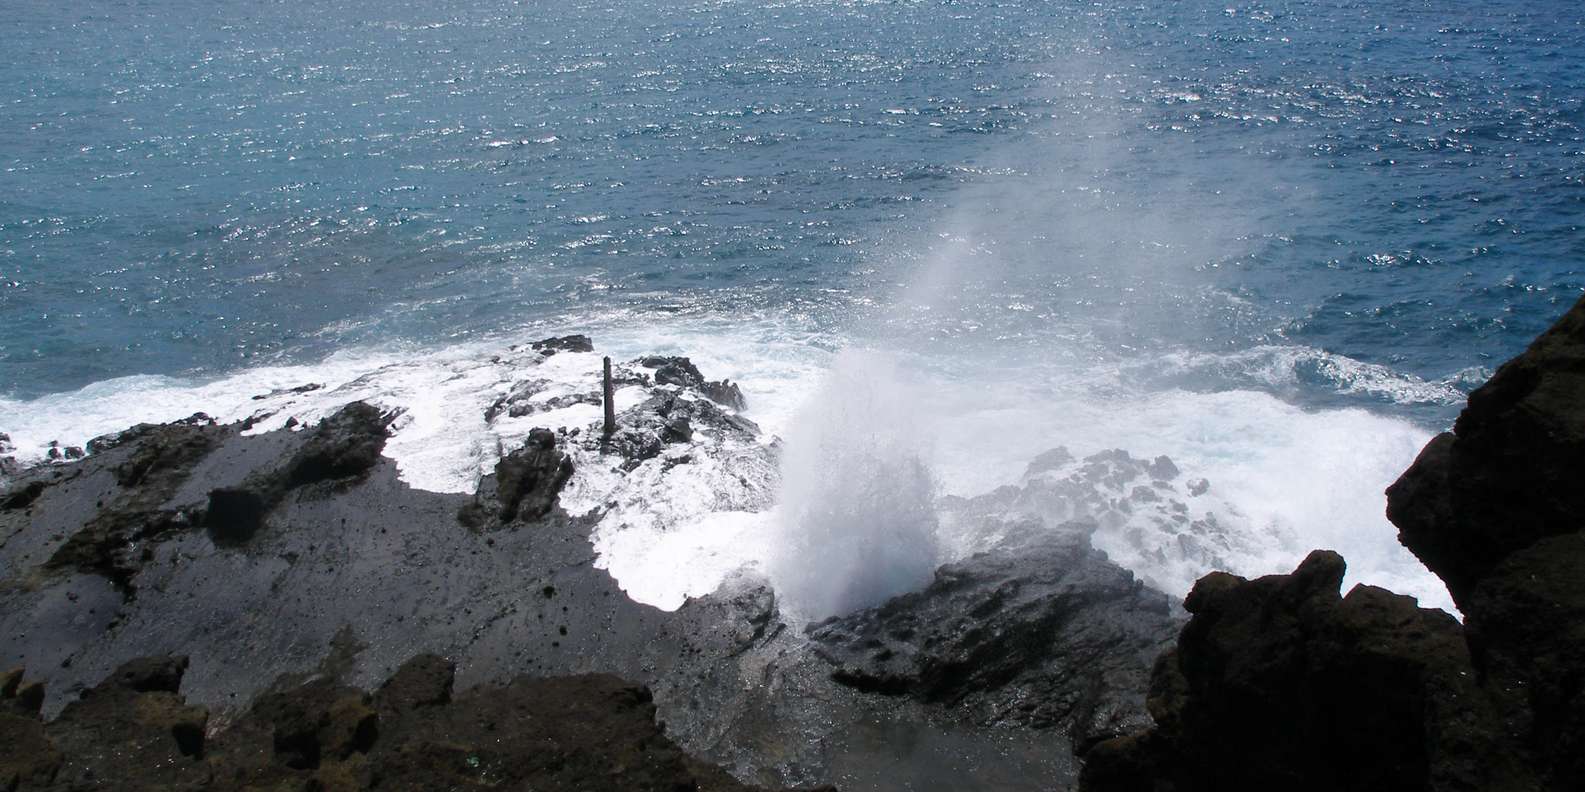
{"x":857,"y":522}
{"x":1081,"y":251}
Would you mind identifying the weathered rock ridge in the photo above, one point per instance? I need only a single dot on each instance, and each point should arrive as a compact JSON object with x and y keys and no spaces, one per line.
{"x":1041,"y":630}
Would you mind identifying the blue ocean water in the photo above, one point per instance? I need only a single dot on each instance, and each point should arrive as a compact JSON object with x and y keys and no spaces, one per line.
{"x":196,"y":188}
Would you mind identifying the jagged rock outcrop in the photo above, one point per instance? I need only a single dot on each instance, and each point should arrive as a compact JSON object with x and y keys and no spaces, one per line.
{"x":1042,"y":630}
{"x":567,"y":343}
{"x":1280,"y":683}
{"x":726,"y":393}
{"x":340,"y":449}
{"x":158,"y":459}
{"x":1277,"y":683}
{"x":135,"y":731}
{"x":1508,"y":474}
{"x":665,"y":418}
{"x":681,"y":372}
{"x":525,"y":485}
{"x":1496,"y":509}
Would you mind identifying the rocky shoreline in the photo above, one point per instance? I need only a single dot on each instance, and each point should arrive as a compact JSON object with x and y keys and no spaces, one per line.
{"x":1280,"y":683}
{"x":200,"y":606}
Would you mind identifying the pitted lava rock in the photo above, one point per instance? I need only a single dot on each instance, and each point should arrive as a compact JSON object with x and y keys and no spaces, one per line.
{"x":525,"y":485}
{"x":1280,"y":683}
{"x":1509,"y":473}
{"x":1042,"y":630}
{"x":1495,"y":508}
{"x":135,"y":731}
{"x":340,"y":449}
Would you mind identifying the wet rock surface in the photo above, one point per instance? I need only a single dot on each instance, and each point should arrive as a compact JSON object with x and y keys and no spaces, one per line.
{"x":525,"y":485}
{"x":1042,"y":631}
{"x":645,"y":430}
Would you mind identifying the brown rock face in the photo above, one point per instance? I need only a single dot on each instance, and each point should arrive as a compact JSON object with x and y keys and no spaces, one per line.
{"x":133,"y":731}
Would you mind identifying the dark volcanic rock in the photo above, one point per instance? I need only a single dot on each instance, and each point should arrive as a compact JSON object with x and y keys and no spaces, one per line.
{"x":567,"y":343}
{"x":525,"y":485}
{"x":343,"y":446}
{"x":27,"y":757}
{"x":644,"y":430}
{"x":725,"y":393}
{"x":340,"y":449}
{"x":155,"y":461}
{"x":1279,"y":683}
{"x":1042,"y":631}
{"x":1509,"y":473}
{"x":679,"y":371}
{"x":516,"y":402}
{"x":1496,"y":509}
{"x":133,"y":728}
{"x":23,"y":496}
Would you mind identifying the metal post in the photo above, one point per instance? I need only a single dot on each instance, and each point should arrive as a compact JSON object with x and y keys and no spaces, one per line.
{"x":610,"y":401}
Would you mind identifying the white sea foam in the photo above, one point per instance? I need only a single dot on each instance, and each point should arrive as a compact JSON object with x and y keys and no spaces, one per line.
{"x":1283,"y":481}
{"x":1286,"y":367}
{"x":862,"y":456}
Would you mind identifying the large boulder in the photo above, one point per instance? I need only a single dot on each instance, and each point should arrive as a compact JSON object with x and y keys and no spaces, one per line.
{"x":1277,"y":683}
{"x":526,"y":484}
{"x":1041,"y":631}
{"x":1495,"y":508}
{"x":1509,"y":472}
{"x":1280,"y":683}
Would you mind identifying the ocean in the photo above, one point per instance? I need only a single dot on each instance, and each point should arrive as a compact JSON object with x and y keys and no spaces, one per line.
{"x":1277,"y":242}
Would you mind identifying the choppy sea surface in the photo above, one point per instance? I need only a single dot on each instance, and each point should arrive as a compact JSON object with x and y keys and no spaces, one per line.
{"x":1277,"y":242}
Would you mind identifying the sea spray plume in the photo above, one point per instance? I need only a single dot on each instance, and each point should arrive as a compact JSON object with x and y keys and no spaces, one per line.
{"x":857,"y":522}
